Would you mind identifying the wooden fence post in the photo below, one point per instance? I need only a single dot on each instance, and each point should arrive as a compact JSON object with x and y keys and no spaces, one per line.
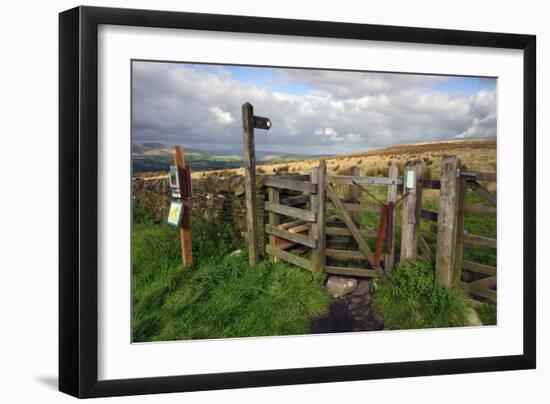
{"x":318,"y":206}
{"x":354,"y":198}
{"x":410,"y":229}
{"x":250,"y":183}
{"x":273,"y":197}
{"x":447,"y":221}
{"x":389,"y":260}
{"x":459,"y":243}
{"x":185,"y":226}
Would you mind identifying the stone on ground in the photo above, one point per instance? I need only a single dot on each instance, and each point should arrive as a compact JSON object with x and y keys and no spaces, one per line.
{"x":338,"y":286}
{"x":473,"y":318}
{"x":362,"y":288}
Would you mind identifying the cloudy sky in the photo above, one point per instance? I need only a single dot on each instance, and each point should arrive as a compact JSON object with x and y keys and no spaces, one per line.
{"x":312,"y":111}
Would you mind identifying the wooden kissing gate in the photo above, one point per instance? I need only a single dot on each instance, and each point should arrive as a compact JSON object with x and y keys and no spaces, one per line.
{"x":314,"y":229}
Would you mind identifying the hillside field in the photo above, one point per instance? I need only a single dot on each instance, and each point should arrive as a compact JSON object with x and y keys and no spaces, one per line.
{"x":477,"y":155}
{"x":220,"y":298}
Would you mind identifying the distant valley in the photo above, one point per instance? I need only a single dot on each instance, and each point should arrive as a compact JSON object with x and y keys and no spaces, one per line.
{"x":151,"y":157}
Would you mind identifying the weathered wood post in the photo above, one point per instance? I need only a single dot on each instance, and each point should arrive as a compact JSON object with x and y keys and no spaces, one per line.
{"x":354,"y":198}
{"x":389,"y":260}
{"x":447,"y":222}
{"x":250,"y":183}
{"x":318,"y":206}
{"x":410,"y":229}
{"x":273,"y":197}
{"x":249,"y":123}
{"x":185,"y":226}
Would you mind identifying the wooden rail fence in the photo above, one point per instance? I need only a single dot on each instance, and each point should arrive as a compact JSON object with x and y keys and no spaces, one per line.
{"x":301,"y":232}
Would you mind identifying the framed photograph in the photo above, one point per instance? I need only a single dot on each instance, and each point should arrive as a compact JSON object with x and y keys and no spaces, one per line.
{"x":250,"y":201}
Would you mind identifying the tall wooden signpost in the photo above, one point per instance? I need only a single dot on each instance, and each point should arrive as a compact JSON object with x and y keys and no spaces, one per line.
{"x":249,"y":123}
{"x":184,"y":180}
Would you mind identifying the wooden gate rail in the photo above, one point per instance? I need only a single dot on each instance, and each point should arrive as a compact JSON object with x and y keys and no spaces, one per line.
{"x":488,"y":294}
{"x":367,"y":273}
{"x":478,"y":268}
{"x":482,"y":283}
{"x":341,"y":231}
{"x":481,"y":210}
{"x":431,"y":184}
{"x":290,"y":224}
{"x":292,"y":236}
{"x":358,"y":207}
{"x":349,"y":254}
{"x":480,"y":176}
{"x":295,"y":200}
{"x":295,"y":185}
{"x":472,"y":239}
{"x":483,"y":192}
{"x":351,"y":180}
{"x":428,"y":215}
{"x":296,"y":213}
{"x":289,"y":257}
{"x":425,"y":249}
{"x":293,"y":177}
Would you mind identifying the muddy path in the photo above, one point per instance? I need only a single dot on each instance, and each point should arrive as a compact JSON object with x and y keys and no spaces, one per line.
{"x":352,"y":312}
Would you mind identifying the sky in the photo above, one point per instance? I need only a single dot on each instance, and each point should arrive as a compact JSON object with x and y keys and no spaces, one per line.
{"x":312,"y":111}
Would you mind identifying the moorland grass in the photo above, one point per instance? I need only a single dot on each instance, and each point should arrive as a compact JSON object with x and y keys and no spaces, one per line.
{"x":411,"y":299}
{"x":487,"y":313}
{"x":219,"y":296}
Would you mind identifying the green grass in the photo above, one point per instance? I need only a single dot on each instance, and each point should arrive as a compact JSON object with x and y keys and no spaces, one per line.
{"x":412,"y":300}
{"x":488,"y":314}
{"x":220,"y":296}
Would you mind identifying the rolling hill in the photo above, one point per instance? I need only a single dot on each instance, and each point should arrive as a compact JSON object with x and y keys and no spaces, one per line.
{"x":147,"y":157}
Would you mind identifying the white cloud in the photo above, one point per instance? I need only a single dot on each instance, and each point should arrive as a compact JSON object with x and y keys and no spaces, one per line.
{"x":222,"y":117}
{"x":481,"y":128}
{"x":177,"y":104}
{"x":345,"y":84}
{"x":353,"y":137}
{"x":330,"y":132}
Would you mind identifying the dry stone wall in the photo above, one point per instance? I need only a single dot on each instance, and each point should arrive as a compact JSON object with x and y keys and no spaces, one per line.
{"x":220,"y":199}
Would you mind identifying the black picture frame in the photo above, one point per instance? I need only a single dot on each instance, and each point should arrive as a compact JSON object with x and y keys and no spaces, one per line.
{"x":78,"y":200}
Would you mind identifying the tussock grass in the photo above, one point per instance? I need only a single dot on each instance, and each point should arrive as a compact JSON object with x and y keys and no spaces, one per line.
{"x":220,"y":296}
{"x":487,"y":313}
{"x":478,"y":155}
{"x":412,"y":300}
